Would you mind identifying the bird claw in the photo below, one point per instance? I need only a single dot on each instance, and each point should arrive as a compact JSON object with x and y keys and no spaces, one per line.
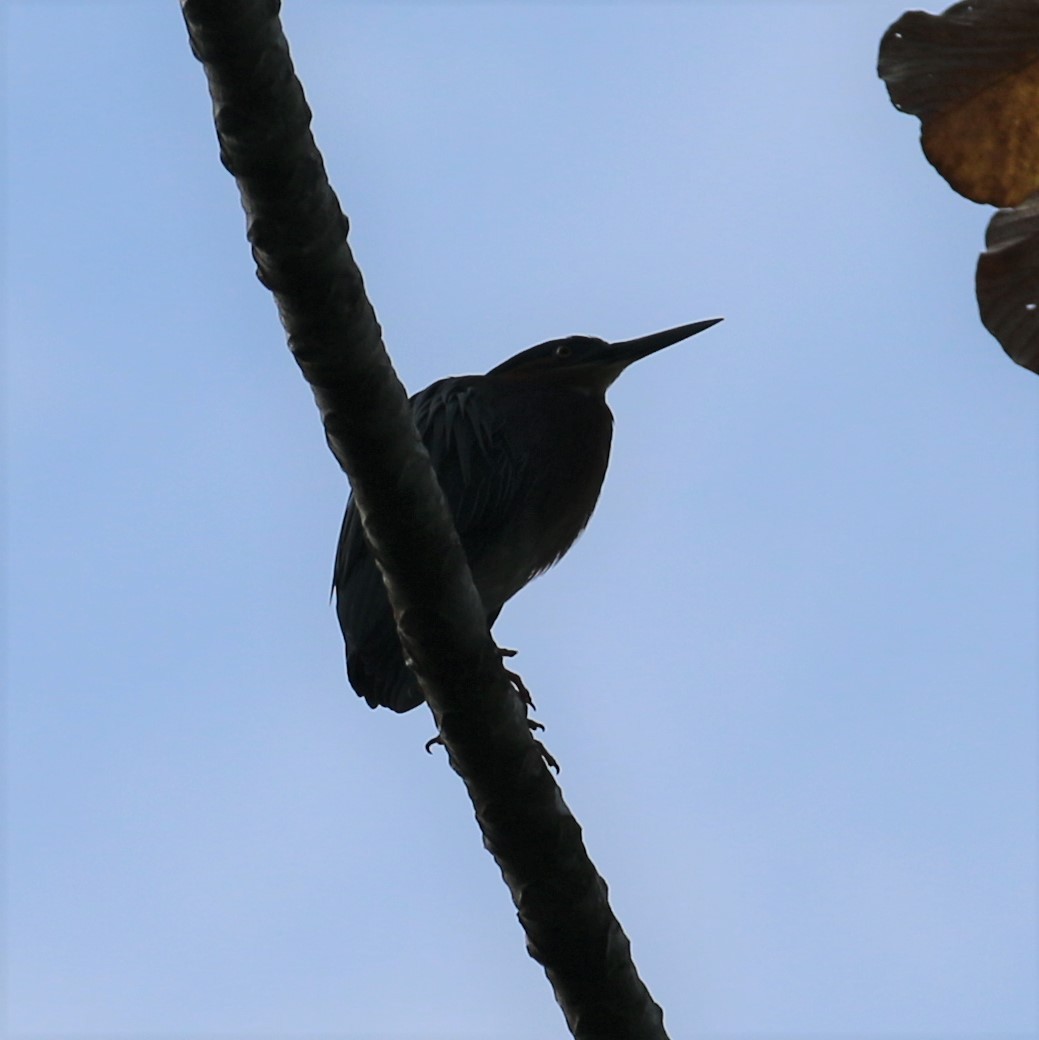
{"x":521,"y":691}
{"x":546,"y":755}
{"x":516,"y":680}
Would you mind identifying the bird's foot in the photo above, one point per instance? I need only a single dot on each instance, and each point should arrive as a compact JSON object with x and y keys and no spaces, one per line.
{"x":524,"y":695}
{"x":521,"y":691}
{"x":517,"y":680}
{"x":546,"y":755}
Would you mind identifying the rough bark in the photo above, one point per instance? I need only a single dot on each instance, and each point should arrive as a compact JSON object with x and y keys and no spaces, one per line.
{"x":298,"y":235}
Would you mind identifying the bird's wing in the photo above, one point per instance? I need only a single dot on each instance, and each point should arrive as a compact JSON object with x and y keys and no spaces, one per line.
{"x":481,"y":476}
{"x":482,"y":480}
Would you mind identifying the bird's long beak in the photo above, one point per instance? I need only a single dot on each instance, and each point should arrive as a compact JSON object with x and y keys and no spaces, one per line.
{"x":633,"y":349}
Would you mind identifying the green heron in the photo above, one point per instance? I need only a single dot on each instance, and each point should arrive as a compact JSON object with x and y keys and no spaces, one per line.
{"x":521,"y":454}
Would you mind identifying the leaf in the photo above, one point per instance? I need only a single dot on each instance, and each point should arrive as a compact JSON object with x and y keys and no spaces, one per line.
{"x":971,"y":75}
{"x":1007,"y":282}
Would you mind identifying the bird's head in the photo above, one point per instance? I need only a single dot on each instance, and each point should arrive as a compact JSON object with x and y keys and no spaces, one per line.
{"x":586,"y":362}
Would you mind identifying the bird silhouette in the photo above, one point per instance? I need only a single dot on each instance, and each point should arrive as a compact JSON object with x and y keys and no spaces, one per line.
{"x":521,"y":454}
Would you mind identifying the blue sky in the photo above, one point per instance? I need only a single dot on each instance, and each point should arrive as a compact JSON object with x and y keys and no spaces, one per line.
{"x":789,"y":670}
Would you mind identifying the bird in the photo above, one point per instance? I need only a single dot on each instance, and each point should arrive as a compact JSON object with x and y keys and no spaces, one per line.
{"x":521,"y":454}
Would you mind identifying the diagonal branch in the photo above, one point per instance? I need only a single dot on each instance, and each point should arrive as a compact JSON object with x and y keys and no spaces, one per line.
{"x":298,"y":236}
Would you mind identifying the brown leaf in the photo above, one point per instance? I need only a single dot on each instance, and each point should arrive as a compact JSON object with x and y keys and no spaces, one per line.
{"x":972,"y":77}
{"x":1007,"y":282}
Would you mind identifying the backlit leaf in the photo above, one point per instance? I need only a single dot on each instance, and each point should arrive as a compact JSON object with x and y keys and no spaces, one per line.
{"x":1008,"y":282}
{"x":972,"y":77}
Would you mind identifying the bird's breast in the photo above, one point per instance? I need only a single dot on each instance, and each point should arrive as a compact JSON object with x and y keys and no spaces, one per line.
{"x":559,"y":440}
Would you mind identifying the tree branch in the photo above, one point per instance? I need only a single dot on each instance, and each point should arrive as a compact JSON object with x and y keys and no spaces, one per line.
{"x":298,"y":236}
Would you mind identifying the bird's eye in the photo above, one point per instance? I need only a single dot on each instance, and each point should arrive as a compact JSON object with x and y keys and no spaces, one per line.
{"x":564,"y":350}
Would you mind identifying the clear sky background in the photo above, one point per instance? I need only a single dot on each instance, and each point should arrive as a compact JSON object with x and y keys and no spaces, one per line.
{"x":789,"y":671}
